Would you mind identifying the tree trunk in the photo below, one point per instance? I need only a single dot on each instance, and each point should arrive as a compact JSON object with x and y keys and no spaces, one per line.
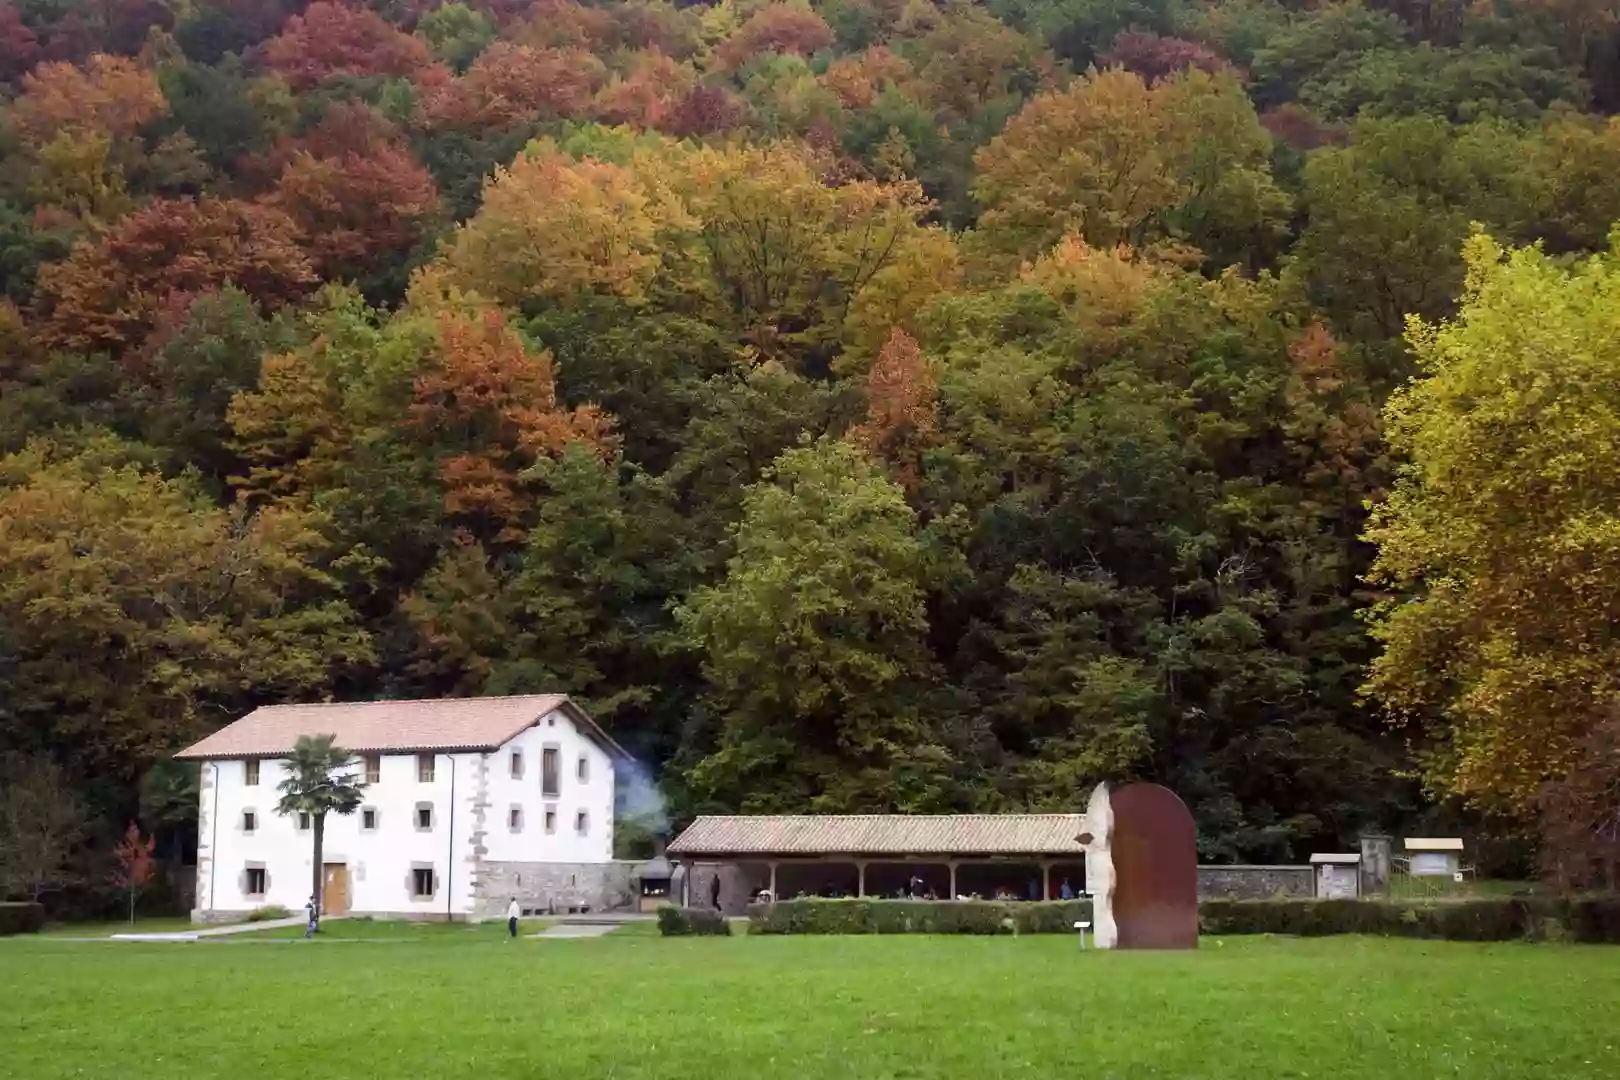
{"x":132,"y":907}
{"x":315,"y":872}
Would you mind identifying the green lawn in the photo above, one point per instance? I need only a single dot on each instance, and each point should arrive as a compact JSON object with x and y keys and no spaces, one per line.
{"x":638,"y":1007}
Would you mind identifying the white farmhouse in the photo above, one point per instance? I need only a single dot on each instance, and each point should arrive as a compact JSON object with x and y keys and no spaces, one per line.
{"x":468,"y":803}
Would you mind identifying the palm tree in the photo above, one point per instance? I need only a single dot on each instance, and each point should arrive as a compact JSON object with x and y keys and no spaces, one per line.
{"x":321,"y":780}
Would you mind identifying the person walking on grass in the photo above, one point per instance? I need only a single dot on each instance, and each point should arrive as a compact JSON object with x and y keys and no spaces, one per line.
{"x":314,"y":918}
{"x":513,"y":912}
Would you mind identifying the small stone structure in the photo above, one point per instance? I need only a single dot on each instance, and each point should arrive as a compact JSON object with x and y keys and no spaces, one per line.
{"x":1375,"y":865}
{"x":1337,"y":875}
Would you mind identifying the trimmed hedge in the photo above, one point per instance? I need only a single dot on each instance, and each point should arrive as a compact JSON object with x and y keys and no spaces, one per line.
{"x":692,"y":922}
{"x":1593,"y":919}
{"x":1583,"y":919}
{"x":21,"y":918}
{"x":814,"y":916}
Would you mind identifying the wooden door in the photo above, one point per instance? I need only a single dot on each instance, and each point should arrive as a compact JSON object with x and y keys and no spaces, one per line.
{"x":335,"y":891}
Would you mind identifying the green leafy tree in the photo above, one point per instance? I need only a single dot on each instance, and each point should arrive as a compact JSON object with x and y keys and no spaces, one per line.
{"x":322,"y":778}
{"x":813,"y":646}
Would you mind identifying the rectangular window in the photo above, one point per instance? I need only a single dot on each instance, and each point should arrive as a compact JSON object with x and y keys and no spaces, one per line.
{"x":514,"y":819}
{"x":424,"y":817}
{"x":250,"y":821}
{"x":253,"y":884}
{"x":422,"y":882}
{"x":550,"y":782}
{"x":582,"y":769}
{"x":373,"y":768}
{"x":250,"y":773}
{"x":551,"y":821}
{"x":303,"y":821}
{"x":368,"y":820}
{"x":582,"y":823}
{"x":517,"y":764}
{"x":424,"y":768}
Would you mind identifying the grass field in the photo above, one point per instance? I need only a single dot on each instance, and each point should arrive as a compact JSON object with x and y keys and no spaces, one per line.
{"x":455,"y":1006}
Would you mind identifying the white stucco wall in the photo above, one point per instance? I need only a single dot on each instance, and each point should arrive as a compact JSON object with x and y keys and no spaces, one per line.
{"x":594,"y":796}
{"x":380,"y":862}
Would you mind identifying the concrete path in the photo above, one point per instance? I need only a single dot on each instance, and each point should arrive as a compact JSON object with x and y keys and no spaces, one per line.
{"x":576,"y":930}
{"x":222,"y":931}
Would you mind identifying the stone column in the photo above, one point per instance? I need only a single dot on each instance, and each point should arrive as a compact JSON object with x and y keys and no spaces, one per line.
{"x":860,"y":879}
{"x":953,"y":881}
{"x":1046,"y":881}
{"x":1374,"y":871}
{"x":774,"y":897}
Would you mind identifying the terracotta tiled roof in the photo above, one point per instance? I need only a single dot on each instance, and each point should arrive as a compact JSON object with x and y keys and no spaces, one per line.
{"x":444,"y":724}
{"x":883,"y":834}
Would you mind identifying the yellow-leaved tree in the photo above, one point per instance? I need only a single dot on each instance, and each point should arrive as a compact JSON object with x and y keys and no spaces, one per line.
{"x":1500,"y":540}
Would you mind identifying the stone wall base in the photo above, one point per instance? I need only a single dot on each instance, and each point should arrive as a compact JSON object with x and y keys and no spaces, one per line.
{"x":546,"y":888}
{"x":1255,"y":882}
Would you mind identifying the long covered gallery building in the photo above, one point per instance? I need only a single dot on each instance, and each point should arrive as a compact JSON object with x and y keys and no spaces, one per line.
{"x":1011,"y":856}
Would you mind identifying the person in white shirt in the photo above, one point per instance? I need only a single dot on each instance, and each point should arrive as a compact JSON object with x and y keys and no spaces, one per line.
{"x":512,"y":914}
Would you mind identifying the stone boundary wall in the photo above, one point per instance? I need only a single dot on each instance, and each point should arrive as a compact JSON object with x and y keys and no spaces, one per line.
{"x":1253,"y":882}
{"x":548,"y":887}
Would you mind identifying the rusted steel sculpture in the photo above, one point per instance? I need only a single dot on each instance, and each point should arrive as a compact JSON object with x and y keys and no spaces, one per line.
{"x":1141,"y":868}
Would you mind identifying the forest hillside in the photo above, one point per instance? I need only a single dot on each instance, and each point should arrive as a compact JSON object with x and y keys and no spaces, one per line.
{"x":859,"y":405}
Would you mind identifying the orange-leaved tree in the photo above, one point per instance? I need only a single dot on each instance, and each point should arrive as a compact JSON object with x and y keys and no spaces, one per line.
{"x":332,"y":39}
{"x":110,"y":95}
{"x":489,"y":407}
{"x":108,"y":292}
{"x":132,"y":864}
{"x":510,"y":83}
{"x":902,"y":408}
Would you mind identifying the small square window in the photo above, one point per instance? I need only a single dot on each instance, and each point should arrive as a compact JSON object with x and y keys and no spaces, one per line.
{"x":424,"y":817}
{"x":422,"y":882}
{"x":368,"y":820}
{"x":582,"y":823}
{"x":424,"y":768}
{"x":373,"y":768}
{"x":303,"y":821}
{"x":517,"y":764}
{"x":250,"y":773}
{"x":582,"y":769}
{"x":551,"y":821}
{"x":250,"y":821}
{"x":253,"y":882}
{"x":514,"y":819}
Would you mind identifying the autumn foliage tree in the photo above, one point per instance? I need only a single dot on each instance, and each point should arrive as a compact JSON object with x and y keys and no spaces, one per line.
{"x":133,"y":865}
{"x":555,"y":228}
{"x":902,"y":407}
{"x":491,"y":408}
{"x":1500,"y":541}
{"x":360,"y":208}
{"x":776,"y":28}
{"x":333,"y":39}
{"x":111,"y":96}
{"x":1120,"y":161}
{"x":107,"y":294}
{"x":509,"y":83}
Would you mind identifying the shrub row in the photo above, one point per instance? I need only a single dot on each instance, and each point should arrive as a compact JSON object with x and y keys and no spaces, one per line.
{"x":813,"y":916}
{"x":687,"y":922}
{"x":1581,"y":919}
{"x":21,"y":918}
{"x":1585,"y":919}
